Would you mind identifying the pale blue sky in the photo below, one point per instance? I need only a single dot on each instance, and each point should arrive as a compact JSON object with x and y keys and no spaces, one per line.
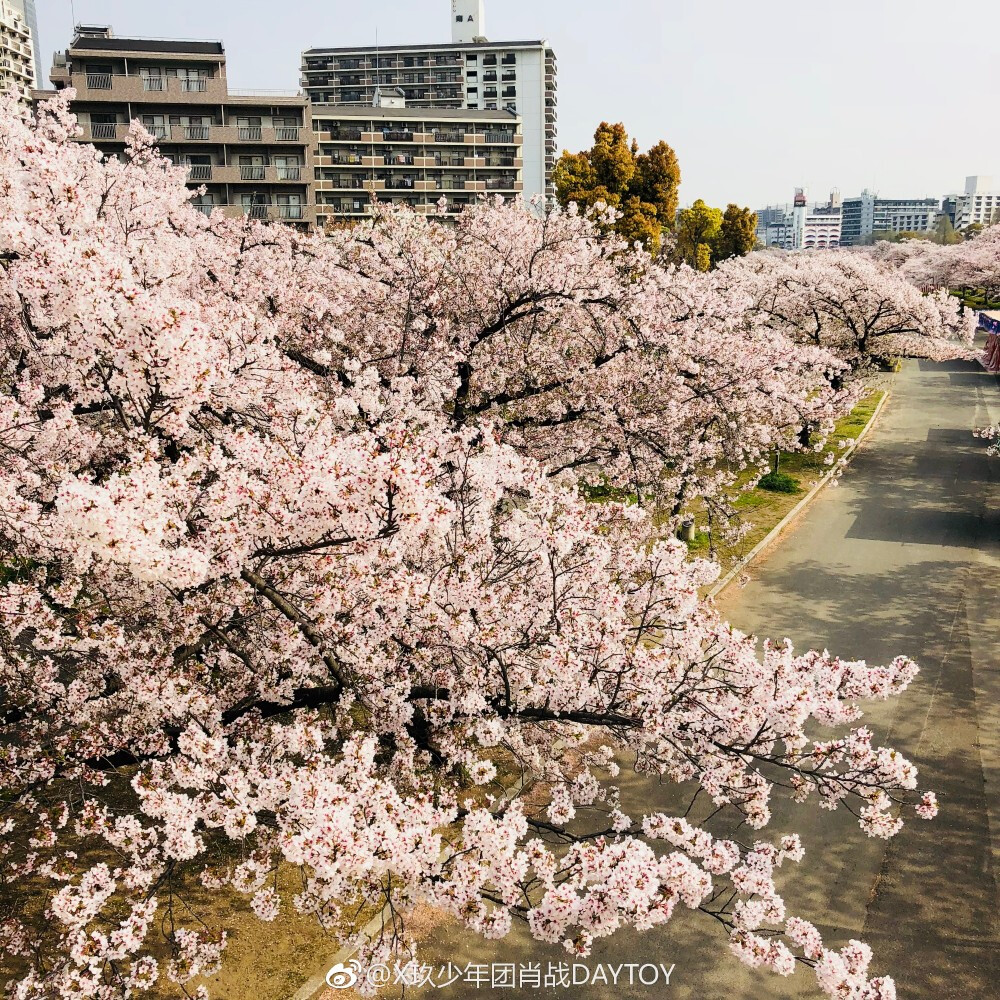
{"x":897,"y":95}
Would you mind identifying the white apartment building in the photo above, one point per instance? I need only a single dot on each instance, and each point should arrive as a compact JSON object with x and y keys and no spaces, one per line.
{"x":980,"y":203}
{"x":27,"y":9}
{"x":17,"y":59}
{"x":868,"y":215}
{"x":470,"y":74}
{"x":801,"y":226}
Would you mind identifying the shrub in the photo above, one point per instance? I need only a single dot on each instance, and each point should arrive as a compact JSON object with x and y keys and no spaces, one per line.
{"x":780,"y":482}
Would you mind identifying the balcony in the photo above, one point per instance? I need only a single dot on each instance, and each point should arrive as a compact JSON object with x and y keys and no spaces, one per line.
{"x":286,"y":133}
{"x":252,"y":172}
{"x":397,"y":136}
{"x":500,"y":137}
{"x":449,"y":137}
{"x":400,"y":184}
{"x":148,"y":89}
{"x":196,"y":133}
{"x":199,"y":172}
{"x":102,"y":130}
{"x":249,"y":133}
{"x":289,"y":173}
{"x":341,"y":135}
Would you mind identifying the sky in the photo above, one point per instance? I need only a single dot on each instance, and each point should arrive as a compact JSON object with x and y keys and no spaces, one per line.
{"x":897,"y":96}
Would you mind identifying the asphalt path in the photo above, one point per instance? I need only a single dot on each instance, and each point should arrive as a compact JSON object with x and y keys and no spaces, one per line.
{"x":902,"y":557}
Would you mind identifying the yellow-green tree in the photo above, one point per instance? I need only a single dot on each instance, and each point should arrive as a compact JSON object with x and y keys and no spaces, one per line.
{"x":737,"y":235}
{"x":698,"y":230}
{"x":642,"y":187}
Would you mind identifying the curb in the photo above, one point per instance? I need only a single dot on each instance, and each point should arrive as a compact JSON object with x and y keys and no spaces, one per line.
{"x":795,"y":511}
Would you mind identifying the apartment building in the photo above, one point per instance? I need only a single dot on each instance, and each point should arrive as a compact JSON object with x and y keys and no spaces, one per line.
{"x":801,"y":225}
{"x":30,"y":15}
{"x":471,"y":74}
{"x":868,"y":215}
{"x":17,"y":60}
{"x":979,"y":203}
{"x":412,"y":156}
{"x":250,"y":151}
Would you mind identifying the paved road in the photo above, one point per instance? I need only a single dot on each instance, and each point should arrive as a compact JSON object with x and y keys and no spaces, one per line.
{"x":903,"y":557}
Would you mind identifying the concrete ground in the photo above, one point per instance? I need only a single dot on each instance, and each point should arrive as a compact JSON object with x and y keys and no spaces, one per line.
{"x":902,"y":557}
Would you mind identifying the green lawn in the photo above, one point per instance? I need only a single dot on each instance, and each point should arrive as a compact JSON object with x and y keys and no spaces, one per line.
{"x":759,"y":510}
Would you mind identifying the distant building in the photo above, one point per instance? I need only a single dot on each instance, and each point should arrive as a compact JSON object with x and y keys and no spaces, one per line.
{"x":17,"y":58}
{"x":868,"y":215}
{"x":469,"y":73}
{"x":801,"y":226}
{"x":251,"y":152}
{"x":412,"y":156}
{"x":978,"y":204}
{"x":27,"y":9}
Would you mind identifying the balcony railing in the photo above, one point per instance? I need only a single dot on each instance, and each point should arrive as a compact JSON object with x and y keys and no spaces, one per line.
{"x":157,"y":83}
{"x":402,"y":184}
{"x":500,"y":161}
{"x":102,"y":130}
{"x":197,"y":133}
{"x":348,"y":158}
{"x":256,"y":211}
{"x":289,"y":173}
{"x":157,"y":131}
{"x":449,"y":137}
{"x":204,"y":209}
{"x":294,"y":212}
{"x":99,"y":81}
{"x":396,"y":135}
{"x":344,"y":134}
{"x":251,"y":172}
{"x":194,"y":85}
{"x":286,"y":133}
{"x":248,"y":133}
{"x":200,"y":172}
{"x":453,"y":185}
{"x":507,"y":137}
{"x":499,"y":184}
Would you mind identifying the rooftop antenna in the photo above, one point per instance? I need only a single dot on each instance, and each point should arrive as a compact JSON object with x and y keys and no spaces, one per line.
{"x":377,"y":97}
{"x":72,"y":13}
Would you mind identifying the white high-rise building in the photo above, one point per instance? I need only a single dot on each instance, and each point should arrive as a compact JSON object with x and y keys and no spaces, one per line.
{"x":469,"y":73}
{"x":27,"y":9}
{"x":980,"y":202}
{"x":17,"y":57}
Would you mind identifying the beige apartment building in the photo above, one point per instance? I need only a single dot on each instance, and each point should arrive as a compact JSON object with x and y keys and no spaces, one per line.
{"x":412,"y":156}
{"x":17,"y":61}
{"x":250,"y":151}
{"x":471,"y":74}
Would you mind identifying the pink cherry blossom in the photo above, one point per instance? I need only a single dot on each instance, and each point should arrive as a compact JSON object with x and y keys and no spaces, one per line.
{"x":293,"y":544}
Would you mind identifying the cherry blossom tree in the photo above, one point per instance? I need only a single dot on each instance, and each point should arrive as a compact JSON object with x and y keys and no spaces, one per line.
{"x":853,"y":305}
{"x":572,"y":346}
{"x":289,"y":564}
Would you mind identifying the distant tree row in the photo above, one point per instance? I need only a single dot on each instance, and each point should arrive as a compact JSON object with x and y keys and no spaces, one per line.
{"x":642,"y":189}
